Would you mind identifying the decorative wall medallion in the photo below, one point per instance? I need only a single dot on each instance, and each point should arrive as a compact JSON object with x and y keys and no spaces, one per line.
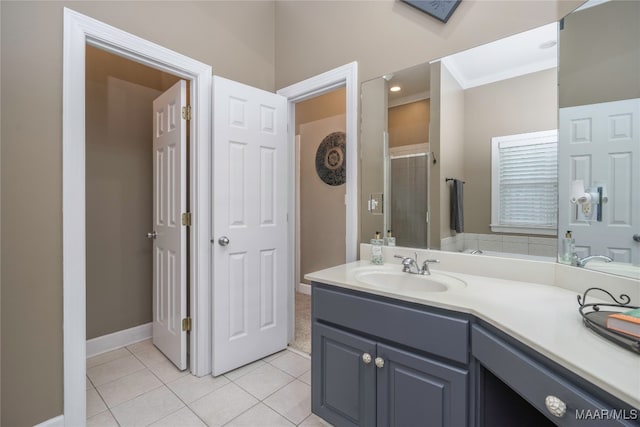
{"x":330,"y":159}
{"x":439,"y":9}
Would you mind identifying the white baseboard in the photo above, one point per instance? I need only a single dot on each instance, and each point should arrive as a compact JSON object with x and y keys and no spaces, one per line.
{"x":304,"y":288}
{"x":99,"y":345}
{"x":52,"y":422}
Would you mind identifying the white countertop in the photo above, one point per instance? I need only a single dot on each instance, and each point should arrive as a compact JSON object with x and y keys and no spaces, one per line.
{"x":543,"y":316}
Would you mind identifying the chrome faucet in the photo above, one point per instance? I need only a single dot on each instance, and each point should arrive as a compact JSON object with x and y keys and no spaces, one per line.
{"x":581,"y":262}
{"x":410,"y":265}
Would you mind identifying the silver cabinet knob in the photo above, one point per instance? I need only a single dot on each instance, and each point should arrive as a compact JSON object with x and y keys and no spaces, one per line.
{"x":379,"y":362}
{"x":152,"y":235}
{"x":555,"y":406}
{"x":636,"y":237}
{"x":366,"y":358}
{"x":223,"y":241}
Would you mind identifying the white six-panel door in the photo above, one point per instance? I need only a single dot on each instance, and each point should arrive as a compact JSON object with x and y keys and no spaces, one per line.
{"x":250,"y":224}
{"x":169,"y":235}
{"x":600,"y":144}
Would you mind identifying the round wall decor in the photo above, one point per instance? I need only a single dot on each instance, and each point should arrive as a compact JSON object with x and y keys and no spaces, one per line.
{"x":330,"y":159}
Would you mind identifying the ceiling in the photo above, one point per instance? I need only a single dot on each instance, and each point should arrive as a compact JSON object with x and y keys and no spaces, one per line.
{"x":506,"y":58}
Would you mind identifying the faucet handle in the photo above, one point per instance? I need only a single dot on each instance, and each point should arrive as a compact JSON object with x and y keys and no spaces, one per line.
{"x":431,"y":261}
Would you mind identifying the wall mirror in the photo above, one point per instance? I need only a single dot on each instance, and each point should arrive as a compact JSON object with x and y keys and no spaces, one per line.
{"x":492,"y":118}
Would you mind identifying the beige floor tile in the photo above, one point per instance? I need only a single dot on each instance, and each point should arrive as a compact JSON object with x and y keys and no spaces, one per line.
{"x":182,"y":418}
{"x":243,"y":370}
{"x":315,"y":421}
{"x":264,"y":381}
{"x":129,"y":387}
{"x":147,"y":408}
{"x":150,"y":356}
{"x":292,"y":363}
{"x":103,"y":419}
{"x":114,"y":370}
{"x":223,"y":405}
{"x":260,"y":415}
{"x":293,"y":401}
{"x":306,"y":377}
{"x":141,"y":346}
{"x":107,"y":357}
{"x":89,"y":384}
{"x":274,"y":356}
{"x":95,"y":404}
{"x":167,"y":371}
{"x":190,"y":388}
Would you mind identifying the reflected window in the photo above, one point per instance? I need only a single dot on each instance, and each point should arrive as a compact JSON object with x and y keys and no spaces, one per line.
{"x":524,"y":183}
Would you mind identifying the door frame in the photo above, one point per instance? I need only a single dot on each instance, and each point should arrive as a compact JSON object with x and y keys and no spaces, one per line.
{"x":344,"y":76}
{"x":79,"y":31}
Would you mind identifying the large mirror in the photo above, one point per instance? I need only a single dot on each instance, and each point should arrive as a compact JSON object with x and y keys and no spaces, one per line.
{"x":464,"y":155}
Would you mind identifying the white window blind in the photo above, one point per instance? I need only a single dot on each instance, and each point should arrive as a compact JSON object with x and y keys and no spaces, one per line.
{"x":524,"y":196}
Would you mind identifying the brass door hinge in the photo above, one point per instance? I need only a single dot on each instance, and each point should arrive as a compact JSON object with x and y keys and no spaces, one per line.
{"x":186,"y":112}
{"x":186,"y":324}
{"x":186,"y":219}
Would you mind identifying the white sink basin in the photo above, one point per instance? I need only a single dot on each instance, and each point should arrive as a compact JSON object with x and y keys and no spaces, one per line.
{"x":399,"y":281}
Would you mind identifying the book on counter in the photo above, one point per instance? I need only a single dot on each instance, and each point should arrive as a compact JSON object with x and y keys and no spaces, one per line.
{"x":627,"y":322}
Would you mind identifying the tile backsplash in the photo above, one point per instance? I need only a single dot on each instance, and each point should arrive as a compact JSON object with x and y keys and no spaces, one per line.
{"x":465,"y":242}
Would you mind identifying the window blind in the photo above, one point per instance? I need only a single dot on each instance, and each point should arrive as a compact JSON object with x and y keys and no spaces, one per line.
{"x":527,"y":182}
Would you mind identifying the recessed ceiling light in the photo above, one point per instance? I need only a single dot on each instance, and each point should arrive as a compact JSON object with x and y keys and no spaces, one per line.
{"x":548,"y":44}
{"x":394,"y":88}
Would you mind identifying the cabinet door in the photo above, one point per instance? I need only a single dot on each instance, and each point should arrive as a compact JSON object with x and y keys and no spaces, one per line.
{"x":416,"y":391}
{"x":342,"y":384}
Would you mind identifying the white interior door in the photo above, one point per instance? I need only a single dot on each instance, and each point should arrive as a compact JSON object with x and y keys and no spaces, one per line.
{"x":599,"y":144}
{"x":169,"y":235}
{"x":250,"y":224}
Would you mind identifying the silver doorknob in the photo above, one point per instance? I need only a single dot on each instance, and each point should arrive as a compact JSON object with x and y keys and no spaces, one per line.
{"x":366,"y":358}
{"x":223,"y":241}
{"x":555,"y":406}
{"x":152,"y":235}
{"x":636,"y":237}
{"x":379,"y":362}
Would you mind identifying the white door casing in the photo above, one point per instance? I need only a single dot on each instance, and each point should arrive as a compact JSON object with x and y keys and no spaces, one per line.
{"x":600,"y":145}
{"x":250,"y":194}
{"x":169,"y":235}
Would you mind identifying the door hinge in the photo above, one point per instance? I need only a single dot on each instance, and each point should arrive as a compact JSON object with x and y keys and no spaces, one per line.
{"x":186,"y":324}
{"x":186,"y":219}
{"x":186,"y":112}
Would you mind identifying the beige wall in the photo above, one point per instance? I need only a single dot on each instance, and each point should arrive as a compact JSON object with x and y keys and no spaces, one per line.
{"x":409,"y":124}
{"x":327,"y":105}
{"x":387,"y":35}
{"x":236,"y":38}
{"x":373,"y":124}
{"x":322,"y":208}
{"x":452,"y":116}
{"x":523,"y":104}
{"x":603,"y":65}
{"x":119,"y":183}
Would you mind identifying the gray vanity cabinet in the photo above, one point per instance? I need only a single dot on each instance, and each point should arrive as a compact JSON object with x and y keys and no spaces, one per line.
{"x":366,"y":371}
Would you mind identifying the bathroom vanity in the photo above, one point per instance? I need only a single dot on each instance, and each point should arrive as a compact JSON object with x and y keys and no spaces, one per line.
{"x":466,"y":356}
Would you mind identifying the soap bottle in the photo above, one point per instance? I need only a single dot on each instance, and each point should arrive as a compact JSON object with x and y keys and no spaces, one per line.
{"x":389,"y":240}
{"x":376,"y":249}
{"x":567,"y":248}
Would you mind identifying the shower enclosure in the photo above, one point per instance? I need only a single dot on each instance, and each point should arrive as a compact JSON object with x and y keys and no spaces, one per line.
{"x":407,"y":173}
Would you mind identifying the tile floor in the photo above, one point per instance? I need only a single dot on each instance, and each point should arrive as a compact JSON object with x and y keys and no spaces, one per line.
{"x":138,"y":386}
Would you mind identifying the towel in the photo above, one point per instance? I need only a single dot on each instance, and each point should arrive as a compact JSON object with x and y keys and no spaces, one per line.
{"x":457,"y":210}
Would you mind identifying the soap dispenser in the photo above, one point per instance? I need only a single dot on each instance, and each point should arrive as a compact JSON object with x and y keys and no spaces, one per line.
{"x":376,"y":249}
{"x":389,"y":240}
{"x":567,"y":248}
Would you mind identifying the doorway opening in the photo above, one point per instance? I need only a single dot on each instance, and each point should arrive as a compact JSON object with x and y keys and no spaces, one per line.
{"x":320,"y":125}
{"x":119,"y":197}
{"x":79,"y":32}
